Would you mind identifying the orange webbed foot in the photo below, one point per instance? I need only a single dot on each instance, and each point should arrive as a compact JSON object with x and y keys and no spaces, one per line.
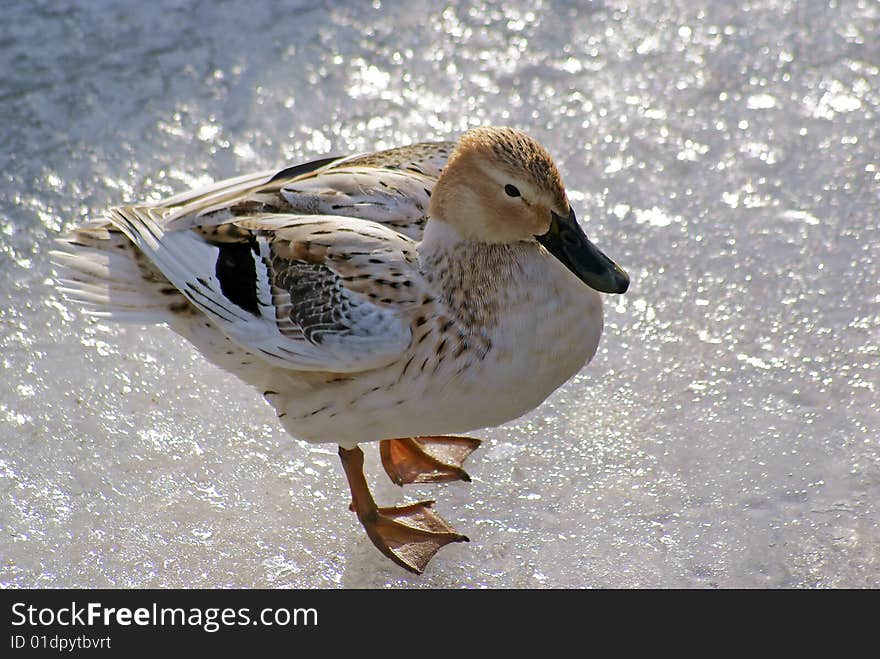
{"x":409,"y":535}
{"x":426,"y":459}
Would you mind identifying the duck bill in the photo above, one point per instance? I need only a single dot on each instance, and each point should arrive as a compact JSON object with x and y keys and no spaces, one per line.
{"x":567,"y":242}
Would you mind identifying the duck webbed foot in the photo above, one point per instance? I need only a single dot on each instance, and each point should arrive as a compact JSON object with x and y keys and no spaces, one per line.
{"x":426,"y":459}
{"x":409,"y":535}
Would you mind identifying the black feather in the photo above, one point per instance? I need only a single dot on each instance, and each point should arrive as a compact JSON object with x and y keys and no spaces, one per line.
{"x":299,"y":170}
{"x":237,"y":275}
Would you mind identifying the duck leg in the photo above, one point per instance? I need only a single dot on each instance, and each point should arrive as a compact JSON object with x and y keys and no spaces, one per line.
{"x":426,"y":459}
{"x":408,"y":535}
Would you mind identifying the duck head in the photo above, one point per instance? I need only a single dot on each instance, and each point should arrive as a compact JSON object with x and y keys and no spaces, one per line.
{"x":501,"y":186}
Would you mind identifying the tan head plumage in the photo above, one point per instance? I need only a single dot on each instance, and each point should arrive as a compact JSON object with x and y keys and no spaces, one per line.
{"x":500,"y":185}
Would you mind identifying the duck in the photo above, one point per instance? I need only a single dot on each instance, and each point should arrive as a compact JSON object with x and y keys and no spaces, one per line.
{"x":407,"y":296}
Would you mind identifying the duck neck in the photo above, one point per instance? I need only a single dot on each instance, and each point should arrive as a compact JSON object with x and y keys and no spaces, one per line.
{"x":474,"y":279}
{"x":440,"y":236}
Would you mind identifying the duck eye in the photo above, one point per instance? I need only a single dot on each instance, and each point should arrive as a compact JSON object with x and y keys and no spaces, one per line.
{"x":511,"y":190}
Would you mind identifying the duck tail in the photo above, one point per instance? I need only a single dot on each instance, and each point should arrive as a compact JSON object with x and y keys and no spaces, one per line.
{"x":103,"y":271}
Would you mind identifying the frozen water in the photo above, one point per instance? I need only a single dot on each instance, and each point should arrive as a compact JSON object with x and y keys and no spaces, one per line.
{"x":725,"y":153}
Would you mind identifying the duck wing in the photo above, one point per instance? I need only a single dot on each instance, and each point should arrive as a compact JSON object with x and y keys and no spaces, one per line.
{"x":309,"y":293}
{"x":391,"y":187}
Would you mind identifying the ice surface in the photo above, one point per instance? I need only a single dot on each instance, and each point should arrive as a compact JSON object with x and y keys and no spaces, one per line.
{"x":725,"y":153}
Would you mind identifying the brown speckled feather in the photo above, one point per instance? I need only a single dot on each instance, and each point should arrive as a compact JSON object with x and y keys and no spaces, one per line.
{"x":392,"y":187}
